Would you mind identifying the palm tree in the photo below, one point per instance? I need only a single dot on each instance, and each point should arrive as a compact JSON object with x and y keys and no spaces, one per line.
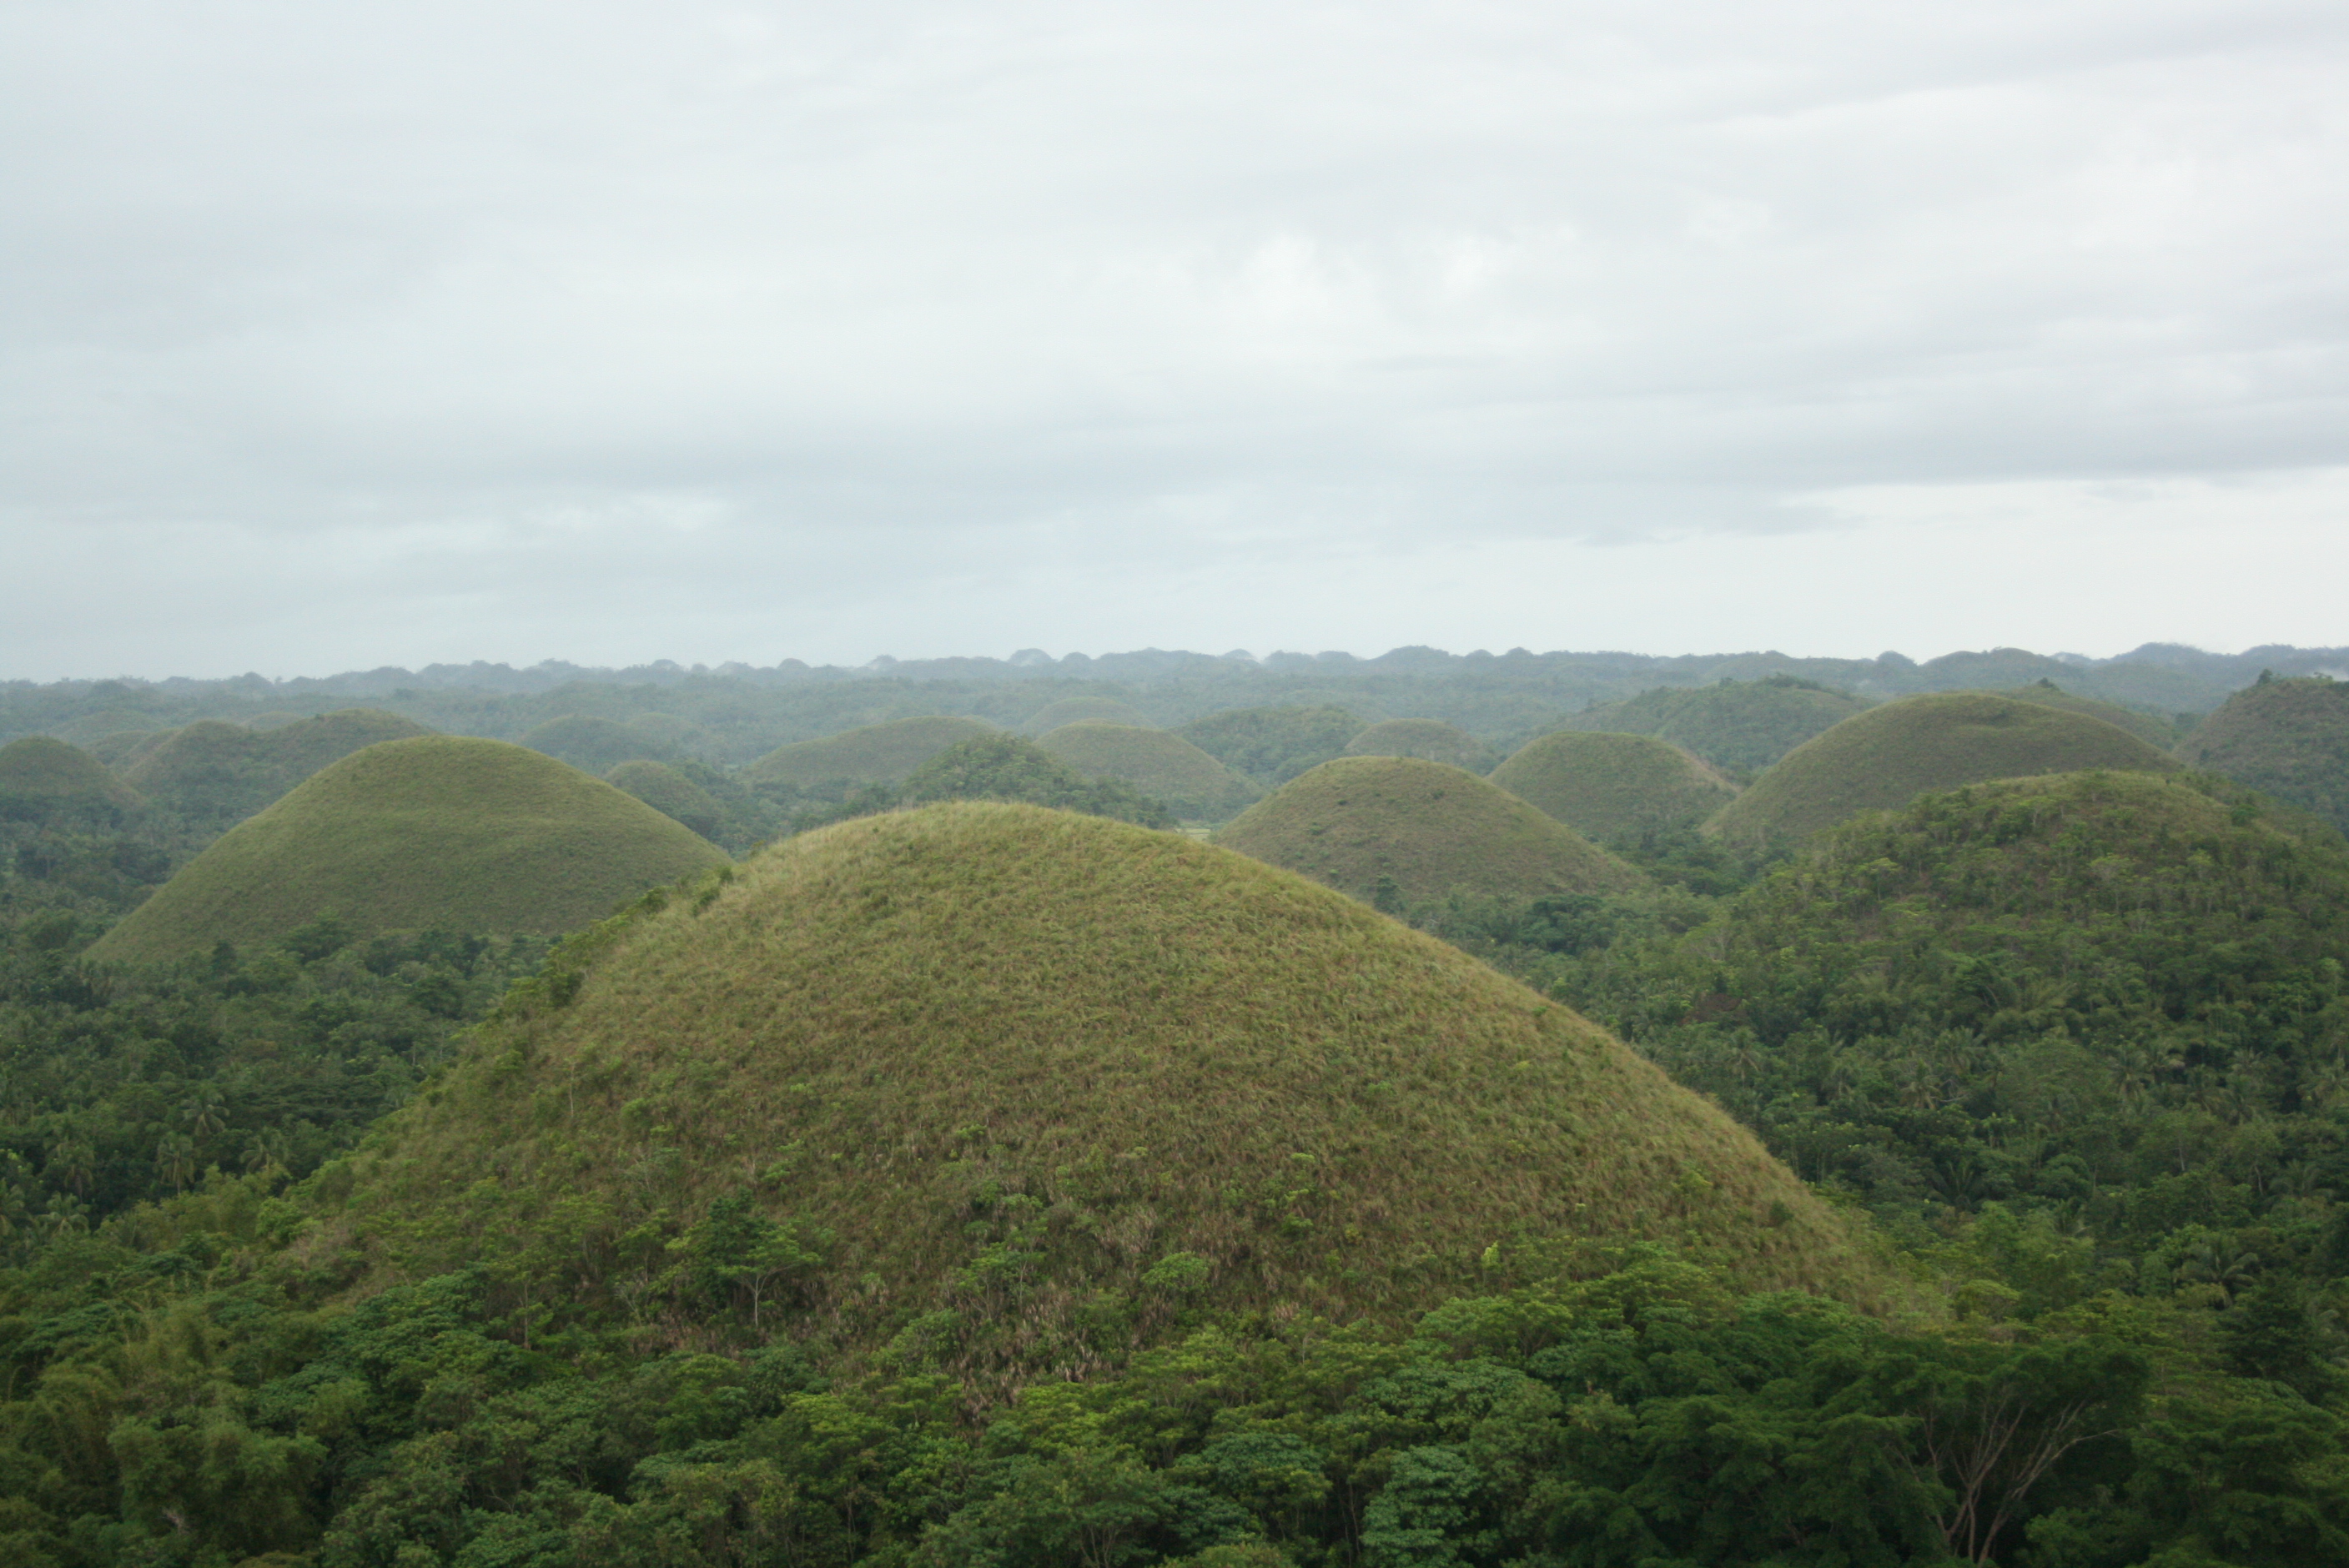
{"x":175,"y":1159}
{"x":2225,"y":1265}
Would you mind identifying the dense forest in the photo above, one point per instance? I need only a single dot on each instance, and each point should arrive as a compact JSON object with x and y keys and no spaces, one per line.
{"x":2063,"y":1059}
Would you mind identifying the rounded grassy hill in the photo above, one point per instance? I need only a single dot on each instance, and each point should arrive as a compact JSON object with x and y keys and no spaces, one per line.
{"x":1610,"y":785}
{"x":1889,"y":755}
{"x":673,"y":794}
{"x":1024,"y":1084}
{"x":1160,"y":764}
{"x":2151,"y":728}
{"x":877,"y":754}
{"x":1083,"y":710}
{"x":1433,"y":828}
{"x":594,"y":745}
{"x":221,"y":773}
{"x":1274,"y":744}
{"x":1430,"y":740}
{"x":1741,"y":726}
{"x":440,"y":831}
{"x":45,"y":780}
{"x":2289,"y":738}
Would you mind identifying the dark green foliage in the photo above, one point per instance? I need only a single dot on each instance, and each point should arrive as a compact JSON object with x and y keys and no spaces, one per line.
{"x":2288,"y":739}
{"x":1083,"y":710}
{"x":214,"y":775}
{"x":1740,"y":727}
{"x":1000,"y":766}
{"x":1429,"y":739}
{"x":596,"y":744}
{"x":1273,"y":744}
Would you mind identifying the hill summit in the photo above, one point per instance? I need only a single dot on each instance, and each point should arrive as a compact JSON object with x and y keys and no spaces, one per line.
{"x":875,"y":753}
{"x":1610,"y":786}
{"x":2289,"y":738}
{"x":1430,"y":740}
{"x":45,"y":780}
{"x":438,"y":831}
{"x":216,"y":774}
{"x":1889,"y":755}
{"x":1424,"y":829}
{"x":1158,"y":764}
{"x":1024,"y":1081}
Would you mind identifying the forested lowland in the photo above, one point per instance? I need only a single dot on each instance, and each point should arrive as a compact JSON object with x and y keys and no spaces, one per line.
{"x":977,"y":1171}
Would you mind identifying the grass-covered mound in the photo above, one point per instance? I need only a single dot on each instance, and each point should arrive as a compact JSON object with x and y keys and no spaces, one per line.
{"x":1429,"y":739}
{"x":1613,"y":786}
{"x":442,"y":831}
{"x":47,"y":781}
{"x":1083,"y":710}
{"x":1030,"y":1081}
{"x":2289,"y":738}
{"x":1163,"y":766}
{"x":673,"y":794}
{"x":1889,"y":755}
{"x":1390,"y":828}
{"x":596,"y":744}
{"x":877,"y":754}
{"x":1273,"y":744}
{"x":1742,"y":726}
{"x":215,"y":773}
{"x":2151,"y":728}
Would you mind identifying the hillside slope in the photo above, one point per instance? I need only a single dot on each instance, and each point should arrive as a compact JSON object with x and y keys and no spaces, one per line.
{"x":440,"y":831}
{"x":1889,"y":755}
{"x":1045,"y":1073}
{"x":1422,"y":827}
{"x":215,"y":774}
{"x":1742,"y":727}
{"x":45,"y":780}
{"x":1430,"y":740}
{"x":1160,"y":764}
{"x":877,"y":753}
{"x":2288,"y":739}
{"x":1607,"y":786}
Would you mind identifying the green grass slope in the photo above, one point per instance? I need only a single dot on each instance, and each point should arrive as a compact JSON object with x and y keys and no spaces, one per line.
{"x":878,"y":753}
{"x":673,"y":794}
{"x":438,"y":831}
{"x":2289,"y":738}
{"x":594,"y":745}
{"x":1432,"y":830}
{"x":1025,"y":1083}
{"x":1081,"y":710}
{"x":1889,"y":755}
{"x":1612,"y":786}
{"x":217,"y":773}
{"x":1742,"y":727}
{"x":1162,"y":766}
{"x":43,"y":779}
{"x":1430,"y":740}
{"x":2151,"y":728}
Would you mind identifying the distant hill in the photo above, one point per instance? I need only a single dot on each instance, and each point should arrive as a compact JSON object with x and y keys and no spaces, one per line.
{"x":878,"y":753}
{"x":673,"y":794}
{"x":2154,"y":731}
{"x":1274,"y":744}
{"x":1160,"y":764}
{"x":439,"y":832}
{"x":596,"y":744}
{"x":1889,"y":755}
{"x":1742,"y":727}
{"x":1424,"y":828}
{"x":1611,"y":786}
{"x":216,"y":774}
{"x":1012,"y":768}
{"x":994,"y":1071}
{"x":42,"y":781}
{"x":1082,"y":709}
{"x":2289,"y":738}
{"x":1430,"y":740}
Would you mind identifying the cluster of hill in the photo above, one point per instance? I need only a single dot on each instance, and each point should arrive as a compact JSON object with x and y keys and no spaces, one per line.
{"x":1929,"y":1150}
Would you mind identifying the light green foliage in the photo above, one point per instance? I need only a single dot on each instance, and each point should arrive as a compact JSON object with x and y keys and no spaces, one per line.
{"x":1423,"y":830}
{"x":1273,"y":744}
{"x":673,"y":794}
{"x":2151,"y":728}
{"x":878,"y":753}
{"x":1889,"y":755}
{"x":436,"y":832}
{"x":1160,"y":764}
{"x":1740,"y":727}
{"x":1083,"y":710}
{"x":2289,"y":738}
{"x":215,"y":774}
{"x":1607,"y":786}
{"x":1430,"y":740}
{"x":1078,"y":1048}
{"x":596,"y":744}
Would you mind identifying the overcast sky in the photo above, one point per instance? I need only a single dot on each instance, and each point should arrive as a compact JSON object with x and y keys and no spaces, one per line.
{"x":337,"y":336}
